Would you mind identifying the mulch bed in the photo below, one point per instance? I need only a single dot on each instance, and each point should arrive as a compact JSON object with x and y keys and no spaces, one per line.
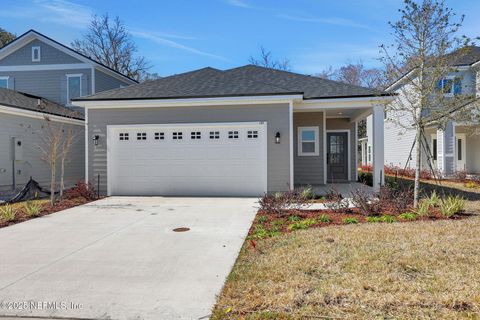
{"x":47,"y":209}
{"x":281,"y":222}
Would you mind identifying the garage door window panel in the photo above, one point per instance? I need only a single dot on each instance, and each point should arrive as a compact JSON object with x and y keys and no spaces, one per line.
{"x":159,"y":136}
{"x":123,"y":136}
{"x":141,"y":136}
{"x":177,"y":135}
{"x":195,"y":135}
{"x":214,"y":135}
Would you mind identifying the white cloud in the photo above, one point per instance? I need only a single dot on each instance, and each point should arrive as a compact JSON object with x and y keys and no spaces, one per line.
{"x":64,"y":13}
{"x":238,"y":3}
{"x":162,"y":40}
{"x":332,"y":21}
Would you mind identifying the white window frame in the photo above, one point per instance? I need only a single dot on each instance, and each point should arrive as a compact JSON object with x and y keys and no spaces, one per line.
{"x":73,"y":75}
{"x":39,"y":54}
{"x":452,"y":89}
{"x":316,"y":152}
{"x":6,"y":78}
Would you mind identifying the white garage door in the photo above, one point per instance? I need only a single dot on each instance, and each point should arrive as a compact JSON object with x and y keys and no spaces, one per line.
{"x":188,"y":159}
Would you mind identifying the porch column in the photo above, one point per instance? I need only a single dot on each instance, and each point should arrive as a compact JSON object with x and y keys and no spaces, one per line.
{"x":446,"y":150}
{"x":378,"y":147}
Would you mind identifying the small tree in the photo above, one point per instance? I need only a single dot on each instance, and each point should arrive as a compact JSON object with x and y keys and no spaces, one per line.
{"x":6,"y":37}
{"x":51,"y":141}
{"x":109,"y":42}
{"x":266,"y":59}
{"x":424,"y":36}
{"x":67,"y":143}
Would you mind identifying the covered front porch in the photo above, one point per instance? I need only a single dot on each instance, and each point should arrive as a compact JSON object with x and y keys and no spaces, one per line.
{"x":325,"y":138}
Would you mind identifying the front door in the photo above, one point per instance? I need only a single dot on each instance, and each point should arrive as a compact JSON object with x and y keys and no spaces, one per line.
{"x":337,"y":156}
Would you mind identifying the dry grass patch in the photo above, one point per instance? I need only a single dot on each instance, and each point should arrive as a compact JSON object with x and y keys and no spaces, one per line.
{"x":415,"y":270}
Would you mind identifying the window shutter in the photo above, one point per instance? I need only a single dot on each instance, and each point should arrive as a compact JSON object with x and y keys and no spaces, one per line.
{"x":84,"y":85}
{"x":11,"y":83}
{"x":63,"y":89}
{"x":457,"y":86}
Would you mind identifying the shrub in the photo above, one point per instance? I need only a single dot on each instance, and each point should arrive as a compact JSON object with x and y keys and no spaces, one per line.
{"x":423,"y":208}
{"x":324,"y":218}
{"x":365,"y":178}
{"x":408,"y":216}
{"x":374,"y":219}
{"x":460,"y":175}
{"x":388,"y":218}
{"x":434,"y":200}
{"x":262,"y":219}
{"x":452,"y":205}
{"x":362,"y":200}
{"x":336,"y":202}
{"x":278,"y":202}
{"x":366,"y":168}
{"x":32,"y":208}
{"x":307,"y":193}
{"x":350,"y":220}
{"x":470,"y":185}
{"x":83,"y":190}
{"x":261,"y":232}
{"x":303,"y":224}
{"x":397,"y":199}
{"x":293,"y":218}
{"x":7,"y":213}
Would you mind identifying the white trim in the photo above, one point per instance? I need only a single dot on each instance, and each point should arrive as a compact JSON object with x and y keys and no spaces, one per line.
{"x":45,"y":67}
{"x":356,"y":150}
{"x":349,"y":146}
{"x":316,"y":142}
{"x":86,"y":146}
{"x":324,"y":133}
{"x":32,"y":35}
{"x":262,"y":124}
{"x":73,"y":75}
{"x":39,"y":54}
{"x":38,"y":115}
{"x":290,"y":129}
{"x":462,"y":136}
{"x":6,"y":78}
{"x":166,"y":103}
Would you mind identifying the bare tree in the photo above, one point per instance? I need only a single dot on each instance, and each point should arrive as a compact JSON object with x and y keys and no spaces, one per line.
{"x":51,"y":140}
{"x":266,"y":59}
{"x":67,"y":143}
{"x":355,"y":74}
{"x":108,"y":42}
{"x":424,"y":35}
{"x":6,"y":37}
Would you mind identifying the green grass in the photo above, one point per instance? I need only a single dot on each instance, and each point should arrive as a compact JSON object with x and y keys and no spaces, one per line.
{"x":350,"y":220}
{"x":302,"y":224}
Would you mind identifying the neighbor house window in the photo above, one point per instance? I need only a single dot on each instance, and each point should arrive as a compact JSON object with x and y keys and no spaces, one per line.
{"x":74,"y":86}
{"x":459,"y":149}
{"x":450,"y":86}
{"x":4,"y":82}
{"x":308,"y":141}
{"x":36,"y":54}
{"x":369,"y":153}
{"x":434,"y":149}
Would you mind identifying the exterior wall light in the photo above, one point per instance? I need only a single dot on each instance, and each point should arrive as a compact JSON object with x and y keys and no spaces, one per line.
{"x":95,"y":139}
{"x":277,"y":137}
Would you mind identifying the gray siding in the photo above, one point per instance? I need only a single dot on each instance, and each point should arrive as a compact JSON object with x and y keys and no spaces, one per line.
{"x":29,"y":130}
{"x":308,"y":169}
{"x":50,"y":84}
{"x":276,"y":116}
{"x":48,"y":55}
{"x":104,"y":82}
{"x":344,"y":123}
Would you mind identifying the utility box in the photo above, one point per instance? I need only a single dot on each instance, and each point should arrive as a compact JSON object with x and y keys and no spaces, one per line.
{"x":17,"y":149}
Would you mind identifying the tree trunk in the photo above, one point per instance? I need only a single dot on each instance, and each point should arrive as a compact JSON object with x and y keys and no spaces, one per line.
{"x":62,"y":173}
{"x":52,"y":182}
{"x":418,"y":163}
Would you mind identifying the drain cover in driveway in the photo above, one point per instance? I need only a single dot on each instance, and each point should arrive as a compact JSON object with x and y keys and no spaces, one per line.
{"x":181,"y":229}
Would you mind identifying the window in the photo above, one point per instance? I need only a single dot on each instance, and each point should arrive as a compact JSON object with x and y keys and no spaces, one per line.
{"x":434,"y":149}
{"x":159,"y":136}
{"x":459,"y":149}
{"x":141,"y":136}
{"x":450,"y":86}
{"x":177,"y":136}
{"x":214,"y":134}
{"x":74,"y":86}
{"x":369,"y":153}
{"x":232,"y":134}
{"x":308,"y":141}
{"x":195,"y":135}
{"x":4,"y":82}
{"x":253,"y":134}
{"x":35,"y":54}
{"x":123,"y":136}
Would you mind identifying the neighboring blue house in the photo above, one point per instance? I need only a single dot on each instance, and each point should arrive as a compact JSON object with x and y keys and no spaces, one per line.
{"x":40,"y":71}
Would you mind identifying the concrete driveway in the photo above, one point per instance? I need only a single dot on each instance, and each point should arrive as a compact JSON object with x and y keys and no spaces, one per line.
{"x":118,"y":258}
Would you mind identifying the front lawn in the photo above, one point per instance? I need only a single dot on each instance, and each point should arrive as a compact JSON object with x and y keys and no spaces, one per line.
{"x":421,"y":269}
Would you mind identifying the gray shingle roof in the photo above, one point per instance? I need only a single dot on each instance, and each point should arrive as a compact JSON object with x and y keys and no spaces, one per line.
{"x":248,"y":80}
{"x":20,"y":100}
{"x":465,"y":56}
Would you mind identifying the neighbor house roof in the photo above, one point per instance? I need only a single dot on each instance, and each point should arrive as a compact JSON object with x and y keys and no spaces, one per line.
{"x":249,"y":80}
{"x":6,"y":49}
{"x":25,"y":101}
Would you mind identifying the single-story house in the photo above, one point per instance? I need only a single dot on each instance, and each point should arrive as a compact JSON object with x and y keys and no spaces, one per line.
{"x":237,"y":132}
{"x":25,"y":123}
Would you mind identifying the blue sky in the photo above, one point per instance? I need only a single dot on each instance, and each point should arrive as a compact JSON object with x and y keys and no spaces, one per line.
{"x":181,"y":35}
